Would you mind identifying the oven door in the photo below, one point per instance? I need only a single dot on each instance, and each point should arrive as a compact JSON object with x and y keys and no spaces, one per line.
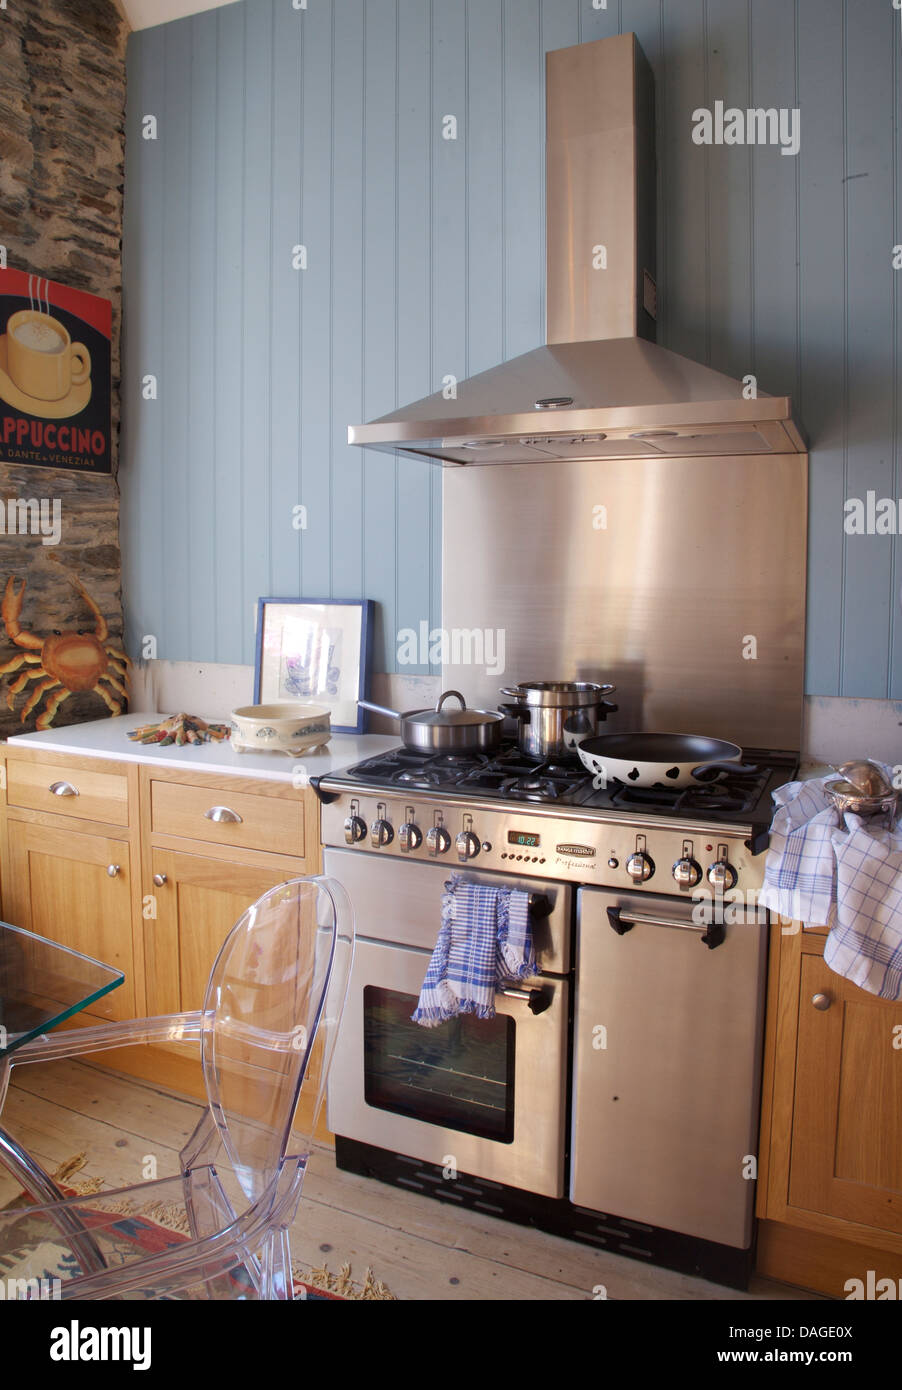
{"x":484,"y":1095}
{"x":487,"y":1096}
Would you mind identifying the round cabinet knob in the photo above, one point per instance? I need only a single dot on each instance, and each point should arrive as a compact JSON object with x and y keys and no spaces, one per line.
{"x":821,"y":1002}
{"x":159,"y":880}
{"x":467,"y":845}
{"x":722,"y":875}
{"x":687,"y":873}
{"x":640,"y":867}
{"x":113,"y":870}
{"x":438,"y":841}
{"x":381,"y":834}
{"x":410,"y":836}
{"x":355,"y":830}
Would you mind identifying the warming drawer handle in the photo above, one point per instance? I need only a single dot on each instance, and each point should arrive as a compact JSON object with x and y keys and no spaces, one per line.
{"x":537,"y":999}
{"x":223,"y":813}
{"x":63,"y":789}
{"x":622,"y":922}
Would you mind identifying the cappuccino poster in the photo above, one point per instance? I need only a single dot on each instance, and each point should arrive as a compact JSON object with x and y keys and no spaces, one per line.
{"x":55,"y":376}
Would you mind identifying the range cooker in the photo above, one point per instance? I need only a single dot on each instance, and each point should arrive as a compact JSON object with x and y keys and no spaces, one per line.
{"x":614,"y":1096}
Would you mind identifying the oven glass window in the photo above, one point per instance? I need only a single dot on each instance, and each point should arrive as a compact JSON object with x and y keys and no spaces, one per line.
{"x":460,"y":1075}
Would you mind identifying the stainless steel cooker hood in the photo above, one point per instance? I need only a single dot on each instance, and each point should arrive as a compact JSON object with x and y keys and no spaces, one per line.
{"x":601,"y":388}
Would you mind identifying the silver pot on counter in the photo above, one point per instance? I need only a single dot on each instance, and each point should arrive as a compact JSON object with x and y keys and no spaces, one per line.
{"x":864,"y":789}
{"x":554,"y":716}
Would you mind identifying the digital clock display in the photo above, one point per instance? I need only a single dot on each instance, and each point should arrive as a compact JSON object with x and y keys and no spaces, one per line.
{"x":519,"y":837}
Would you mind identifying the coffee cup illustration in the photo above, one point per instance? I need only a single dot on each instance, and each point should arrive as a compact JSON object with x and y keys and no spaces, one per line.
{"x":42,"y":359}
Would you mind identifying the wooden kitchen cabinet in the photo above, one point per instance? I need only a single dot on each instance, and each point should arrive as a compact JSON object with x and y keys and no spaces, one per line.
{"x":830,"y":1177}
{"x":191,"y":851}
{"x":196,"y":906}
{"x":59,"y":886}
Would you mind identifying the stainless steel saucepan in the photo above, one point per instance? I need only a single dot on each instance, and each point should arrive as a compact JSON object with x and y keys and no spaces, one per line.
{"x":446,"y":731}
{"x":666,"y":760}
{"x":553,"y":717}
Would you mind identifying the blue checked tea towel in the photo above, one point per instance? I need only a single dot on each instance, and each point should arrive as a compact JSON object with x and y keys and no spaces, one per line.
{"x":800,"y":869}
{"x":485,"y":940}
{"x":842,"y":872}
{"x":865,"y":945}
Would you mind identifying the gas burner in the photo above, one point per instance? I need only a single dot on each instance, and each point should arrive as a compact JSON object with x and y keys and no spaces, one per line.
{"x":487,"y":780}
{"x":728,"y":791}
{"x":564,"y":772}
{"x":532,"y":788}
{"x":460,"y":761}
{"x":420,"y":777}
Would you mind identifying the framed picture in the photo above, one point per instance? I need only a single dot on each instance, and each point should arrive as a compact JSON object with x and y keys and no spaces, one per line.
{"x":319,"y":650}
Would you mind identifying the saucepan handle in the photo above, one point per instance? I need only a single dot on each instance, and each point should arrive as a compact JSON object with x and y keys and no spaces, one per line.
{"x":379,"y":709}
{"x":516,"y":711}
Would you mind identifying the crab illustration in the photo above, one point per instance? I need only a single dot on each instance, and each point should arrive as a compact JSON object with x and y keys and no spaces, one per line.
{"x":63,"y":663}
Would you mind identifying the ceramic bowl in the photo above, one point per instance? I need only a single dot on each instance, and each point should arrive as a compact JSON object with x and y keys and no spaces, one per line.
{"x":288,"y":728}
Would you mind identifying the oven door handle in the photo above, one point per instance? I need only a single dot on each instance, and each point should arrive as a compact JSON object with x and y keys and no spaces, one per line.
{"x":538,"y":999}
{"x":622,"y":922}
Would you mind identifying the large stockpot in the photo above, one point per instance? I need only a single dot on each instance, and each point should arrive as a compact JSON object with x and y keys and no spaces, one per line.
{"x":554,"y":716}
{"x":446,"y":731}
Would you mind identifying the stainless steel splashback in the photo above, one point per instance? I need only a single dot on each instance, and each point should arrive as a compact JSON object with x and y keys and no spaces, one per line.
{"x":680,"y":580}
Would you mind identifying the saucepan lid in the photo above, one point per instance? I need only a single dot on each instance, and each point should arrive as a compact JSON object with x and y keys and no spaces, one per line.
{"x":452,"y":718}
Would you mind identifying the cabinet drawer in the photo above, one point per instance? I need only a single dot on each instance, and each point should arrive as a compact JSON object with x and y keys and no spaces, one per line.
{"x":243,"y":819}
{"x":89,"y":795}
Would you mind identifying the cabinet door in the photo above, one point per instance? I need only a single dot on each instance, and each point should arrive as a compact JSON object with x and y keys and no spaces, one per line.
{"x":197,"y":903}
{"x":60,"y":887}
{"x":846,"y":1157}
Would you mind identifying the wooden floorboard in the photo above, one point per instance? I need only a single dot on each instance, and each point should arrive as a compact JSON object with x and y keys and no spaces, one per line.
{"x":417,"y":1246}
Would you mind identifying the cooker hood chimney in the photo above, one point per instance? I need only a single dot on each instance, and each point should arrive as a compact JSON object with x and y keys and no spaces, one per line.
{"x":601,"y":387}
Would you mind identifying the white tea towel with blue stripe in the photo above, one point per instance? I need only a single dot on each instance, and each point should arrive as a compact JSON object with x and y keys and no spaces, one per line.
{"x":800,"y":869}
{"x":485,"y":939}
{"x":865,"y":945}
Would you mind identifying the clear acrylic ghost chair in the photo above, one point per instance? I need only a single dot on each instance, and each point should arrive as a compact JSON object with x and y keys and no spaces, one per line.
{"x":267,"y":1029}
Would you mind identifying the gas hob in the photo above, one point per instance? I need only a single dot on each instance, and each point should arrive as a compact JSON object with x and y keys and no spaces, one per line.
{"x":553,"y":820}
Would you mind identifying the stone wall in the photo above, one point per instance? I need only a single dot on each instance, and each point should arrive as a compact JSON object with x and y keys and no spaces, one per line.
{"x":62,"y":118}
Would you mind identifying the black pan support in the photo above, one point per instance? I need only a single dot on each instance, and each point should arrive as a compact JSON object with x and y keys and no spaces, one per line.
{"x":713,"y":935}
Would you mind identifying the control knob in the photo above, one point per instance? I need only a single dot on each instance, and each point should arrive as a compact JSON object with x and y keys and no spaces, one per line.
{"x":381,"y":834}
{"x":640,"y":867}
{"x":410,"y":836}
{"x":355,"y":830}
{"x":722,"y":875}
{"x":438,"y":840}
{"x":467,"y":845}
{"x":687,"y":872}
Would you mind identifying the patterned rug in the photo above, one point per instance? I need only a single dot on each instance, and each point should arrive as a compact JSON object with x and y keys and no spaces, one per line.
{"x":156,"y":1228}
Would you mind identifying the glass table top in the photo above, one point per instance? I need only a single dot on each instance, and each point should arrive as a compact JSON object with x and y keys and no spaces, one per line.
{"x":43,"y":983}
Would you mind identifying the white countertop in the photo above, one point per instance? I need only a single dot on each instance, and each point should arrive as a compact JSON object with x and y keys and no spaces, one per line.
{"x":106,"y":738}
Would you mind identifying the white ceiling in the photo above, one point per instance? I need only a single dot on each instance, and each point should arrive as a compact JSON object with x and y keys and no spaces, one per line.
{"x":142,"y":14}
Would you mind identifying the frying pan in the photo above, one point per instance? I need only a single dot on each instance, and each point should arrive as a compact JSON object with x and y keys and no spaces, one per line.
{"x":667,"y":760}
